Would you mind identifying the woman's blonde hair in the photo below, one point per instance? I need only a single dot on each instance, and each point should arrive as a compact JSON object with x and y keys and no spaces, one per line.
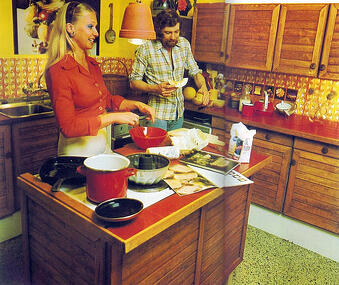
{"x":60,"y":42}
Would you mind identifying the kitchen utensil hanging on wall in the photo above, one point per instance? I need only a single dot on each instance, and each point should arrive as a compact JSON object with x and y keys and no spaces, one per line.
{"x":110,"y":33}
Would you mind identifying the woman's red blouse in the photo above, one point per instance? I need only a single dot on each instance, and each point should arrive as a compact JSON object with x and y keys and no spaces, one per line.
{"x":79,"y":96}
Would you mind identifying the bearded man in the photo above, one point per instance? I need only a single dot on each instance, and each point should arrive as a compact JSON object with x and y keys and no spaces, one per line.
{"x":160,"y":64}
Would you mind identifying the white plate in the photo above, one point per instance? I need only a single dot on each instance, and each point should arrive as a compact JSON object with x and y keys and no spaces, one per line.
{"x":180,"y":83}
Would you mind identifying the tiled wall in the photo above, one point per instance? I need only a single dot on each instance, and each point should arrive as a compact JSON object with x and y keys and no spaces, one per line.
{"x":314,"y":97}
{"x":17,"y":73}
{"x":311,"y":100}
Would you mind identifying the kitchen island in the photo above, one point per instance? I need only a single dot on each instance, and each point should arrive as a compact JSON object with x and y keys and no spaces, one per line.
{"x":192,"y":239}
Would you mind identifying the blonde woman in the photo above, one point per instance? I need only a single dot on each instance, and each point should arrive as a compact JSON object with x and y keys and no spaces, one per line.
{"x":83,"y":106}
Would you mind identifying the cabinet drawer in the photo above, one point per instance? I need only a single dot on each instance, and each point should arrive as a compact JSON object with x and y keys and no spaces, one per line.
{"x":273,"y":137}
{"x":219,"y":123}
{"x":261,"y":134}
{"x":317,"y":147}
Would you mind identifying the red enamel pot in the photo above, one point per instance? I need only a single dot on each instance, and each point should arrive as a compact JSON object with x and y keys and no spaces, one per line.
{"x":106,"y":176}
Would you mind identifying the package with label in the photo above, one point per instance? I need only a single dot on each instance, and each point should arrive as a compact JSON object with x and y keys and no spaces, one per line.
{"x":241,"y":140}
{"x":171,"y":152}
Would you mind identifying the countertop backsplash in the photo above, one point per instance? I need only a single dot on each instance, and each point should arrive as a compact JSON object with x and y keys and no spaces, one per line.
{"x":313,"y":97}
{"x":19,"y":73}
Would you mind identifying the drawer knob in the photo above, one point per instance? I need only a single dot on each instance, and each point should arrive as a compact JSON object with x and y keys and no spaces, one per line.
{"x":8,"y":155}
{"x":313,"y":66}
{"x":322,"y":67}
{"x":267,"y":137}
{"x":324,"y":150}
{"x":293,"y":162}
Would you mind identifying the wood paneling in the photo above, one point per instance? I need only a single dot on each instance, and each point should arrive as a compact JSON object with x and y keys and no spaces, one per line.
{"x":329,"y":66}
{"x":269,"y":183}
{"x":33,"y":143}
{"x":209,"y":32}
{"x":251,"y":36}
{"x":64,"y":247}
{"x":313,"y":189}
{"x":6,"y":176}
{"x":299,"y":39}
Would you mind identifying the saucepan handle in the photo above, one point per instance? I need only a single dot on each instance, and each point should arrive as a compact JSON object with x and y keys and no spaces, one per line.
{"x":130,"y":171}
{"x":81,"y":169}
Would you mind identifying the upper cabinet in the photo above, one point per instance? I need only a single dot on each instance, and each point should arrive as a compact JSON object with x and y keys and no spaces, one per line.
{"x":209,"y":32}
{"x":299,"y":39}
{"x":329,"y":65}
{"x":251,"y":36}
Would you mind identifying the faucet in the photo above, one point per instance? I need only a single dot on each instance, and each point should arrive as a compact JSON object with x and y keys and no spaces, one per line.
{"x":40,"y":90}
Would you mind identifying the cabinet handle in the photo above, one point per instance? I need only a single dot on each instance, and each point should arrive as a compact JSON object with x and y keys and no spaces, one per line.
{"x":221,"y":54}
{"x":313,"y":66}
{"x":322,"y":67}
{"x":293,"y":162}
{"x":227,"y":56}
{"x":324,"y":150}
{"x":267,"y":137}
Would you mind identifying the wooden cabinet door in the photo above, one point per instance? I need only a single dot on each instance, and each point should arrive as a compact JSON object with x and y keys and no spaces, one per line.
{"x":269,"y":185}
{"x":6,"y":175}
{"x":251,"y":36}
{"x":329,"y":65}
{"x":209,"y":32}
{"x":270,"y":182}
{"x":313,"y":189}
{"x":33,"y":142}
{"x":300,"y":37}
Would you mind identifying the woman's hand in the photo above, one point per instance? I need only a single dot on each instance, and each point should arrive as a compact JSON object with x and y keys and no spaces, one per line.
{"x":148,"y":110}
{"x":119,"y":118}
{"x":128,"y":105}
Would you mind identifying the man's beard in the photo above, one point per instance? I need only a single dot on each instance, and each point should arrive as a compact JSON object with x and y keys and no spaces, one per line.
{"x":169,"y":43}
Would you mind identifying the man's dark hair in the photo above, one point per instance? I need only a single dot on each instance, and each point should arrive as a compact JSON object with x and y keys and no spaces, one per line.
{"x":166,"y":18}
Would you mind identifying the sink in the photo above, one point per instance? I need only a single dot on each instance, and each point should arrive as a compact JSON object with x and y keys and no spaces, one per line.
{"x":22,"y":110}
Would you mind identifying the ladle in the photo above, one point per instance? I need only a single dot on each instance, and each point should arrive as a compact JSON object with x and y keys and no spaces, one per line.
{"x":110,"y":33}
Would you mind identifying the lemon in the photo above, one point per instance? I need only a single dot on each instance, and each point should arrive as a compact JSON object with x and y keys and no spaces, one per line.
{"x":189,"y":93}
{"x":219,"y":103}
{"x":197,"y":100}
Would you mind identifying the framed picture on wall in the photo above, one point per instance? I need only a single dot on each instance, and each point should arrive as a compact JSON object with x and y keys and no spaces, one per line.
{"x":32,"y":24}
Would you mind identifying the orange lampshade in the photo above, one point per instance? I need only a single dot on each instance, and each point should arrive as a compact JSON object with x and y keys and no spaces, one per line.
{"x":137,"y":22}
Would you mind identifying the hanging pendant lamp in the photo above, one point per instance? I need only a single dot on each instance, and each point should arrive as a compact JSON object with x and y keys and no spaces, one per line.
{"x":137,"y":24}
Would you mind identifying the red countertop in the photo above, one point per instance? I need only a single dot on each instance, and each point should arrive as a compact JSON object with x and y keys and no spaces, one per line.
{"x":153,"y":219}
{"x":295,"y":125}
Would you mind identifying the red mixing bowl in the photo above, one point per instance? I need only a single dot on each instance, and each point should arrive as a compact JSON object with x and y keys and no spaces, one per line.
{"x":145,"y":137}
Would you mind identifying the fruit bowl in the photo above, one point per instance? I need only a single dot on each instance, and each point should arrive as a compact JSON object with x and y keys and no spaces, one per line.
{"x":283,"y":107}
{"x":145,"y":137}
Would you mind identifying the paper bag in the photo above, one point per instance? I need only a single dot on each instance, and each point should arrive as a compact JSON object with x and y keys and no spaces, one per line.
{"x":241,"y":140}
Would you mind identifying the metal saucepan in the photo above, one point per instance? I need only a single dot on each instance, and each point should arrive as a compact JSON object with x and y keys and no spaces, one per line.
{"x":63,"y":169}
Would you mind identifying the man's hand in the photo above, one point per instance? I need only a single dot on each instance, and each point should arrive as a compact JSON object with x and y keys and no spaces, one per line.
{"x":205,"y":95}
{"x":165,"y":89}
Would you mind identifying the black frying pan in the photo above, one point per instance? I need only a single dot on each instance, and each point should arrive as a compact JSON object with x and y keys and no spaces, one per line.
{"x":63,"y":169}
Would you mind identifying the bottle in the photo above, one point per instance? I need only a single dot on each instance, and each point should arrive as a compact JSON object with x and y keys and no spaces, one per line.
{"x":245,"y":98}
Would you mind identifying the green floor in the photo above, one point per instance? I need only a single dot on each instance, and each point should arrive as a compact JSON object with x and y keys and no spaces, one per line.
{"x":272,"y":260}
{"x":267,"y":260}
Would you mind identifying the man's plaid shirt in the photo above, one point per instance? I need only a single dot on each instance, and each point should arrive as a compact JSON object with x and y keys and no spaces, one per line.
{"x":153,"y":64}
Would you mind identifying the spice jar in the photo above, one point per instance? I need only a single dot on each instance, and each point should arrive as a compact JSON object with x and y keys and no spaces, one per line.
{"x":234,"y":100}
{"x":245,"y":98}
